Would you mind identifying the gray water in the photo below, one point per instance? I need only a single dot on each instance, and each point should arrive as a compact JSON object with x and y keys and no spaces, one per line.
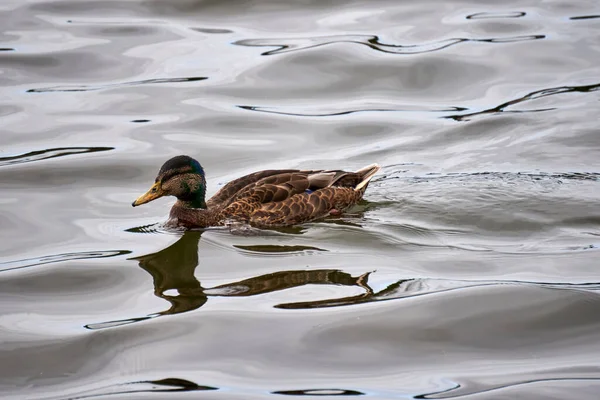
{"x":470,"y":271}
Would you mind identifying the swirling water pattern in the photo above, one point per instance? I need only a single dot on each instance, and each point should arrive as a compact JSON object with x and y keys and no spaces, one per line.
{"x":469,"y":271}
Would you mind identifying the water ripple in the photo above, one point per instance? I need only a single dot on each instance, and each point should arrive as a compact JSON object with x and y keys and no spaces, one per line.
{"x":168,"y":385}
{"x":334,"y":111}
{"x":410,"y":288}
{"x":31,"y":262}
{"x":506,"y":176}
{"x":585,"y":17}
{"x":453,"y":395}
{"x":45,"y":154}
{"x":449,"y":112}
{"x":320,"y":392}
{"x":214,"y":31}
{"x":89,"y":88}
{"x":491,"y":15}
{"x":538,"y":94}
{"x":286,"y":45}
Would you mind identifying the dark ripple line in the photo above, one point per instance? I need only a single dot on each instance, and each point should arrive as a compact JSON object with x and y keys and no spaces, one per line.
{"x":585,"y":17}
{"x":372,"y":41}
{"x":212,"y":30}
{"x":538,"y":94}
{"x":45,"y":154}
{"x":7,"y":49}
{"x":173,"y":384}
{"x":500,"y":387}
{"x":502,"y":108}
{"x":427,"y":395}
{"x":31,"y":262}
{"x":346,"y":112}
{"x":89,"y":88}
{"x":118,"y":322}
{"x":316,"y":392}
{"x":491,"y":15}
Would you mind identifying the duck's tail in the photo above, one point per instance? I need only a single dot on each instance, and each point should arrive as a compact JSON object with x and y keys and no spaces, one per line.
{"x":366,"y":174}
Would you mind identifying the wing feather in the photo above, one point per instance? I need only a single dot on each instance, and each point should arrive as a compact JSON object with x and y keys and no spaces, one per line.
{"x":304,"y":207}
{"x":227,"y":192}
{"x":280,"y":197}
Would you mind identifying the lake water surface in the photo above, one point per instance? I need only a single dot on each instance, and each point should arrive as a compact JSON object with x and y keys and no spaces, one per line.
{"x":470,"y":271}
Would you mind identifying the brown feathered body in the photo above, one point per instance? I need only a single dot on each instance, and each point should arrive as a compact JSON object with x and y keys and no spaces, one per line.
{"x":278,"y":198}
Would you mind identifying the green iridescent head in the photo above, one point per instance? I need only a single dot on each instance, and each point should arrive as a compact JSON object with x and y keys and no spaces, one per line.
{"x":182,"y":177}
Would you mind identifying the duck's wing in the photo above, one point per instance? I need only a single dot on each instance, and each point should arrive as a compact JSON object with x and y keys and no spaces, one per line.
{"x":290,"y":181}
{"x":230,"y":190}
{"x":330,"y":191}
{"x":305,"y":207}
{"x":275,"y":188}
{"x":300,"y":196}
{"x":291,"y":197}
{"x":282,"y":185}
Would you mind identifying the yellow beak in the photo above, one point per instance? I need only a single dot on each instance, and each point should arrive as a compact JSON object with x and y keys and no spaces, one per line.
{"x":154,"y":193}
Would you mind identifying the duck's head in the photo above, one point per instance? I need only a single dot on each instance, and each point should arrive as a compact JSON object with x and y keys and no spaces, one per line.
{"x":182,"y":177}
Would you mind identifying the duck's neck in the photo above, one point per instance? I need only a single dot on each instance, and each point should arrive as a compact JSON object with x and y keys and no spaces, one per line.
{"x":193,"y":200}
{"x":185,"y":214}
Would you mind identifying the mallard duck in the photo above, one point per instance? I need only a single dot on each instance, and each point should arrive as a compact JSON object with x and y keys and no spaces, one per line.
{"x":263,"y":199}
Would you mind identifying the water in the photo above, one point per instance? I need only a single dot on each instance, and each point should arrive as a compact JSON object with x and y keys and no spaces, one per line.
{"x":469,"y":271}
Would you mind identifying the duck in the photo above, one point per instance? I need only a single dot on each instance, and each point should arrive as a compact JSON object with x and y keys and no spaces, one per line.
{"x":263,"y":199}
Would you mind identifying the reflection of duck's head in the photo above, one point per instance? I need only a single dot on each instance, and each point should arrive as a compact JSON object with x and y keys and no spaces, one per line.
{"x":177,"y":261}
{"x":173,"y":268}
{"x":182,"y":177}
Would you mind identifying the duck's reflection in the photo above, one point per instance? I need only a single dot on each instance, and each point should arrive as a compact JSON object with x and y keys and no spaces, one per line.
{"x":173,"y":268}
{"x":172,"y":271}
